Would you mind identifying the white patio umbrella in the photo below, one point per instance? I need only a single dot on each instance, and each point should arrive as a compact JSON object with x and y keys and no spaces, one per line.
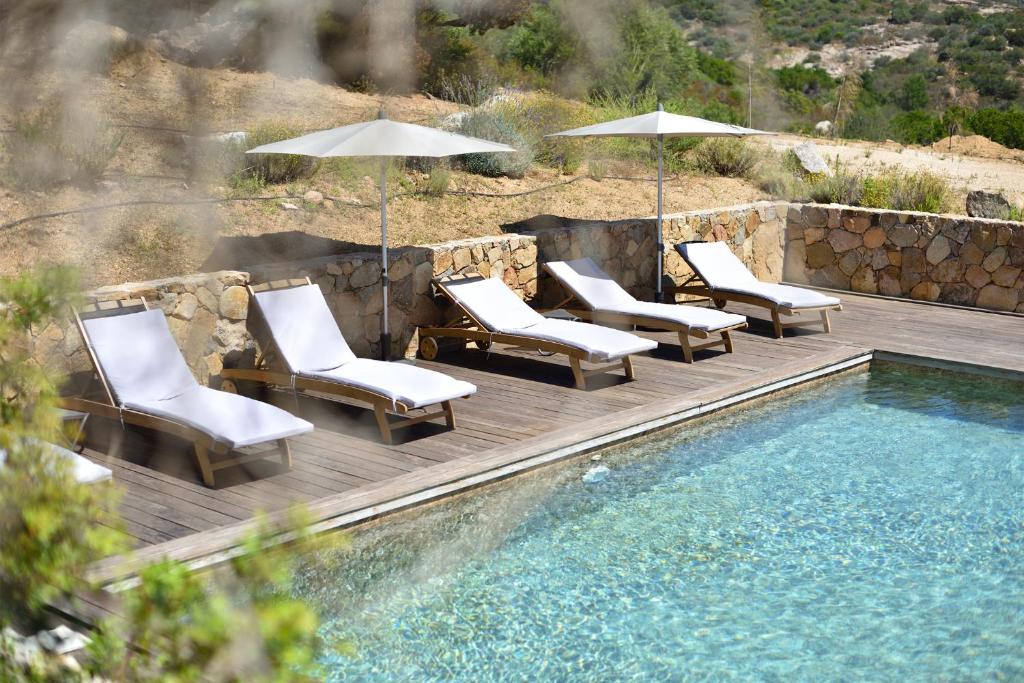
{"x":661,"y":124}
{"x":382,"y":138}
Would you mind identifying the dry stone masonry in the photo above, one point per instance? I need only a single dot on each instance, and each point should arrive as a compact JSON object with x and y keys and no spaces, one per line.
{"x":951,"y":259}
{"x":968,"y":261}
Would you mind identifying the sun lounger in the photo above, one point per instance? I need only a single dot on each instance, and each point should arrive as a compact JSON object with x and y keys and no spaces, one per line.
{"x":600,"y":299}
{"x":718,"y":274}
{"x":85,"y":471}
{"x":307,"y":352}
{"x":146,"y":382}
{"x":488,"y":311}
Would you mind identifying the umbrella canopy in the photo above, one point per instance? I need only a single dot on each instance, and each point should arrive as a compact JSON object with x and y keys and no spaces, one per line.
{"x":382,"y":138}
{"x":660,"y":125}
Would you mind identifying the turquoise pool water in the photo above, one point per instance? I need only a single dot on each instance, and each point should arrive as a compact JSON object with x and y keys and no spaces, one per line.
{"x":868,"y":529}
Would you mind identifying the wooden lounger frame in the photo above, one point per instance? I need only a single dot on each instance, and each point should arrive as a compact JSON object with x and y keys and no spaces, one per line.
{"x":697,"y":286}
{"x":202,"y":443}
{"x":466,"y":327}
{"x":270,"y":369}
{"x":575,"y":306}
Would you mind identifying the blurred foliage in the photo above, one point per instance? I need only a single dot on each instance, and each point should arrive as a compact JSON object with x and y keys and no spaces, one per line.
{"x":56,"y":145}
{"x":237,"y":622}
{"x":495,"y":125}
{"x":51,"y":527}
{"x":256,"y":170}
{"x":726,"y":157}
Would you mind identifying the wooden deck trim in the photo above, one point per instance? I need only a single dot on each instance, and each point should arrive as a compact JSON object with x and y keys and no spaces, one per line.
{"x":366,"y":503}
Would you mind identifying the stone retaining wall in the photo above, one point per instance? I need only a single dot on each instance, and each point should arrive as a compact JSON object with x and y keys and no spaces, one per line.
{"x":208,"y":313}
{"x":954,"y":259}
{"x":951,"y":259}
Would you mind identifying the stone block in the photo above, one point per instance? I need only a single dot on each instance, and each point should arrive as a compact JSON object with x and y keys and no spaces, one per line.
{"x":841,"y":240}
{"x":835,"y":218}
{"x":850,"y":261}
{"x":819,"y":254}
{"x":914,"y":260}
{"x":971,"y":254}
{"x":984,"y":236}
{"x":994,"y":259}
{"x":461,"y":258}
{"x":207,"y":300}
{"x":794,"y":263}
{"x":878,"y":258}
{"x":889,"y":282}
{"x":442,"y":262}
{"x":874,"y":237}
{"x":926,"y":291}
{"x":903,"y":235}
{"x":234,"y":303}
{"x":864,"y":281}
{"x":364,"y":275}
{"x":895,"y":258}
{"x":186,"y":306}
{"x":1006,"y":275}
{"x":812,"y":235}
{"x":950,"y":270}
{"x":997,"y":298}
{"x":938,"y":250}
{"x":831,"y":276}
{"x":525,"y":256}
{"x":977,"y":276}
{"x":857,"y":224}
{"x":814,"y":216}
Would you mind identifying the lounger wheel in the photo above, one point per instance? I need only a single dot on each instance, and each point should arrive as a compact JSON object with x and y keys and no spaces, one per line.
{"x":229,"y":386}
{"x":719,"y":303}
{"x":428,"y":348}
{"x":482,"y":344}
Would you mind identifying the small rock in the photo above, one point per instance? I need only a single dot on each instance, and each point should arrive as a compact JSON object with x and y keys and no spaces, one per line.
{"x":288,"y":206}
{"x":982,"y":204}
{"x":811,"y":160}
{"x":938,"y":250}
{"x":313,"y":197}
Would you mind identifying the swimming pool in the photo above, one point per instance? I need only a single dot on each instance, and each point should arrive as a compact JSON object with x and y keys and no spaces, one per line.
{"x":869,"y":528}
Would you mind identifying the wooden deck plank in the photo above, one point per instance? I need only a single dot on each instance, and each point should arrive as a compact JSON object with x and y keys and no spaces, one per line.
{"x":524,"y":402}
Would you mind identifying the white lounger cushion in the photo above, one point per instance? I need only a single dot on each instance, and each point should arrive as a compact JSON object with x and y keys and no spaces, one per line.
{"x":413,"y":386}
{"x":303,"y":328}
{"x":600,"y":343}
{"x":229,"y":419}
{"x":84,"y":470}
{"x":721,"y":270}
{"x":602,"y":294}
{"x":138,"y":356}
{"x":499,"y":309}
{"x":308,"y":338}
{"x":147,"y":373}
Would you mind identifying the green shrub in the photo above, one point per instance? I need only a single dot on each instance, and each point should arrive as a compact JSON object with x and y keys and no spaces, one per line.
{"x":543,"y":41}
{"x":843,"y":187}
{"x":438,"y":181}
{"x":920,"y":191}
{"x":270,"y":169}
{"x":494,"y":125}
{"x":597,"y":169}
{"x":918,"y":128}
{"x":535,"y":115}
{"x":57,"y":146}
{"x":1003,"y":126}
{"x":51,"y":526}
{"x":727,"y":157}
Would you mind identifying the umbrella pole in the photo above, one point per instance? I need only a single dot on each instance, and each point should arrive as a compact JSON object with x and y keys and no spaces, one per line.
{"x":658,"y":294}
{"x":385,"y":333}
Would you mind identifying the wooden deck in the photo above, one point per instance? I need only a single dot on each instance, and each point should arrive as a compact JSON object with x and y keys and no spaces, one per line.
{"x":525,"y":407}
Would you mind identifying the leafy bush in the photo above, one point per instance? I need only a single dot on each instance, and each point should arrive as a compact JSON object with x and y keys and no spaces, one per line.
{"x":727,"y":157}
{"x":270,"y":169}
{"x":920,"y":191}
{"x":57,"y":146}
{"x":918,"y":128}
{"x":494,"y":125}
{"x":543,"y":41}
{"x":438,"y":181}
{"x":1003,"y":126}
{"x":535,"y":115}
{"x":51,"y":527}
{"x":843,"y":187}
